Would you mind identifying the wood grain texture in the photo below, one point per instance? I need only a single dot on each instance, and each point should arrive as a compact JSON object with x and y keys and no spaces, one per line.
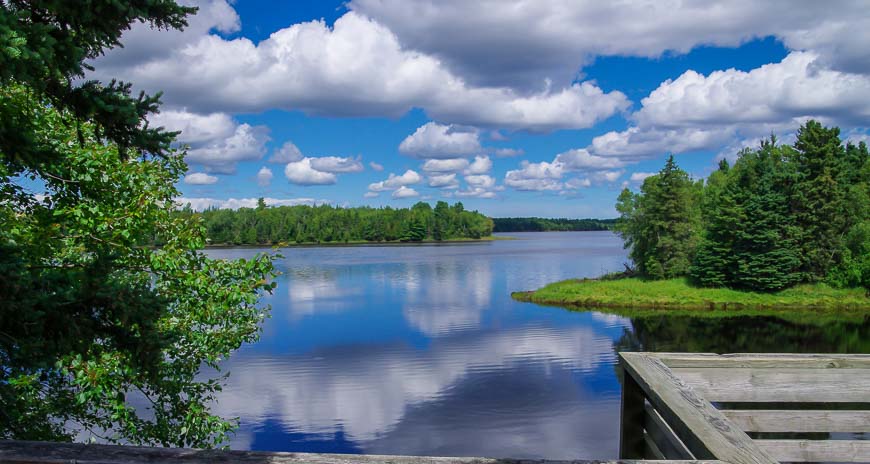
{"x":700,"y":426}
{"x":28,"y":452}
{"x":779,"y":384}
{"x":817,"y":450}
{"x":763,"y":420}
{"x":764,"y":360}
{"x":663,"y":436}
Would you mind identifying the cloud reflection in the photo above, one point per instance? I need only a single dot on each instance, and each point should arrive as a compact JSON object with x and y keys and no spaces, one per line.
{"x":456,"y":294}
{"x":367,"y":391}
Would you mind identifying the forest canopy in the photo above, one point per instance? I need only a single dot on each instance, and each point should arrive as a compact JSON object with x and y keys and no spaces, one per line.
{"x":328,"y":224}
{"x":781,"y":215}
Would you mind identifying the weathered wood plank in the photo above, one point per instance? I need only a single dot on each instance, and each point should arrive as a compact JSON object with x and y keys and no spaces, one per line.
{"x":767,"y":420}
{"x":817,"y":450}
{"x":779,"y":385}
{"x":766,"y":360}
{"x":652,"y":450}
{"x":702,"y":428}
{"x":29,"y":452}
{"x":631,"y":420}
{"x":662,"y":435}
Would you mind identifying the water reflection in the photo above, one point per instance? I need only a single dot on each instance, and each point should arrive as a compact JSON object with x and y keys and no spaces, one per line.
{"x":766,"y":332}
{"x":454,"y":296}
{"x":366,"y":392}
{"x":420,"y":350}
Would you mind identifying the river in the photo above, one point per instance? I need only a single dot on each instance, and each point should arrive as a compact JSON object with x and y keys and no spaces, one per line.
{"x":420,"y":350}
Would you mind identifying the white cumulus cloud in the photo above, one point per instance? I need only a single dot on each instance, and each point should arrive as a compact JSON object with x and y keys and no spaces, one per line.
{"x":336,"y":164}
{"x":433,"y":140}
{"x":199,"y":178}
{"x":580,"y":159}
{"x":523,"y":44}
{"x":356,"y":67}
{"x":215,"y":140}
{"x":536,"y":176}
{"x":264,"y":176}
{"x":480,"y":181}
{"x":445,"y":165}
{"x":795,"y":88}
{"x":480,"y":165}
{"x":288,"y":152}
{"x":404,"y":192}
{"x":394,"y":182}
{"x":200,"y":203}
{"x":302,"y":173}
{"x":444,"y":181}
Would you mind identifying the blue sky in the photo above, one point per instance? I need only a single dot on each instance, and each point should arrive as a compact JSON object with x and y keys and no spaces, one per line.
{"x":545,"y":108}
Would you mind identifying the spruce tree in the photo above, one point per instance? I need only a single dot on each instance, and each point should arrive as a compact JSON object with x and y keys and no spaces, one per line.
{"x":819,"y":197}
{"x":714,"y":264}
{"x":764,"y":247}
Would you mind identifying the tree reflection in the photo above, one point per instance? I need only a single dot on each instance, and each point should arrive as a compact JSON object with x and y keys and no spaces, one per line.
{"x":774,"y":332}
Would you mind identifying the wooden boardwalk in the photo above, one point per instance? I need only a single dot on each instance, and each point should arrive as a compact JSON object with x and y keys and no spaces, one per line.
{"x":681,"y":408}
{"x":746,"y":408}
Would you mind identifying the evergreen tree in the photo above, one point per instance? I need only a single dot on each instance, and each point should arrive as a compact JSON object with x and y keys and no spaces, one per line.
{"x":764,"y":247}
{"x":661,"y":224}
{"x":750,"y":236}
{"x":44,"y":46}
{"x":819,"y":198}
{"x":714,"y":264}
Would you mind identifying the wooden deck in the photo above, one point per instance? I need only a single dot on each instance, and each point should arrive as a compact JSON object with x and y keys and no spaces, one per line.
{"x":682,"y":408}
{"x":746,"y":408}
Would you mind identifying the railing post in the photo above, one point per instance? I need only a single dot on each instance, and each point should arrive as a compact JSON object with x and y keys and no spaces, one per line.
{"x":631,"y":444}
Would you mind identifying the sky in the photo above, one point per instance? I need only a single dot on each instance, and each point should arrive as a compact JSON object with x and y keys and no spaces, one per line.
{"x":514,"y":107}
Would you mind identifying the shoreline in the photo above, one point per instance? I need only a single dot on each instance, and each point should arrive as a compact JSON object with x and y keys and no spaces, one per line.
{"x":361,"y":243}
{"x":677,"y":294}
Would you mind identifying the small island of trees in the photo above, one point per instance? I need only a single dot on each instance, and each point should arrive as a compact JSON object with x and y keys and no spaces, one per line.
{"x":788,"y":221}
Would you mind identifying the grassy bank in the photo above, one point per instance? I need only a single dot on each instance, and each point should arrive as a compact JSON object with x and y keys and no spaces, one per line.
{"x":678,"y":294}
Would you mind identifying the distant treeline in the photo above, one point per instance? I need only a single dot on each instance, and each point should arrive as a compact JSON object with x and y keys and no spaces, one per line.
{"x":265,"y":225}
{"x":536,"y":224}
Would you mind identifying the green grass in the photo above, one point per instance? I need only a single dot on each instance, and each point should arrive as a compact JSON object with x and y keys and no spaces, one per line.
{"x":678,"y":294}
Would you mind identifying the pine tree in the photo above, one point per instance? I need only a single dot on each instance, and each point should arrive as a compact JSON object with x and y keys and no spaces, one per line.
{"x":44,"y":46}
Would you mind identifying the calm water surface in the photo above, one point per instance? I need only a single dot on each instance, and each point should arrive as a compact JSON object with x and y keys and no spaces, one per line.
{"x":420,"y":350}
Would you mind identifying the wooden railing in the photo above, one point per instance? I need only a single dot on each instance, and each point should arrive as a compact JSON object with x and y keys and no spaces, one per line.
{"x":24,"y":452}
{"x":705,"y":406}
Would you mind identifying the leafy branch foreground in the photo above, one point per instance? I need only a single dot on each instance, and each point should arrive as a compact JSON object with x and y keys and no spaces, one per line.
{"x":677,"y":293}
{"x":101,"y":335}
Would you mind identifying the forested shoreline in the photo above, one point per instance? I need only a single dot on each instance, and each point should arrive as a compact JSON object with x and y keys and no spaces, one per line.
{"x":779,"y":216}
{"x":537,"y":224}
{"x":325,"y":224}
{"x":784,"y":225}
